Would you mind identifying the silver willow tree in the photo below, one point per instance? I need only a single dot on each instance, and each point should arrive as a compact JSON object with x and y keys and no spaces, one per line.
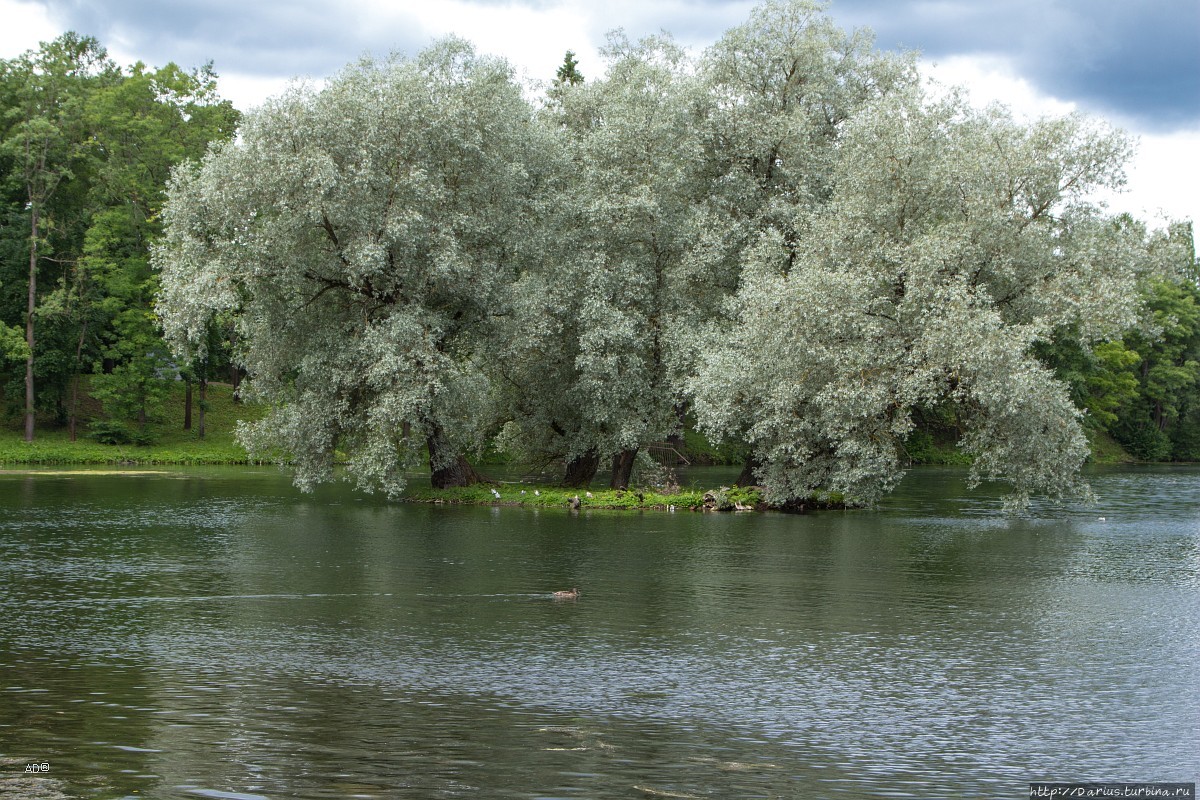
{"x":593,"y":357}
{"x":781,"y":89}
{"x":952,"y":240}
{"x":364,"y":236}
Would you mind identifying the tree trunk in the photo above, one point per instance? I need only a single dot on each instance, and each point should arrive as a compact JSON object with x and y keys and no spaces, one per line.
{"x":581,"y":470}
{"x":73,"y":418}
{"x":187,"y":404}
{"x":747,"y":476}
{"x":622,"y":469}
{"x":33,"y":259}
{"x":235,"y":380}
{"x":203,"y":406}
{"x":448,"y":469}
{"x":676,"y":439}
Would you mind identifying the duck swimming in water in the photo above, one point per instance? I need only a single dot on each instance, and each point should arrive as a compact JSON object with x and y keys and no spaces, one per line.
{"x":567,"y":595}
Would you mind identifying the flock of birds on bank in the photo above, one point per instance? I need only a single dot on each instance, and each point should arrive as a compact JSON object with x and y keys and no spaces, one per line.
{"x":575,"y":502}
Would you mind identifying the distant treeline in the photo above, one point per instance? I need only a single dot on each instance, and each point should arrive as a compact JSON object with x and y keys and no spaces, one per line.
{"x":86,"y":149}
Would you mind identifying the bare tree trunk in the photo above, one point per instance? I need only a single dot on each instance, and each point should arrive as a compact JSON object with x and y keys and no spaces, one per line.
{"x":203,"y":406}
{"x":747,"y":476}
{"x":33,"y":260}
{"x":448,"y":469}
{"x":581,"y":470}
{"x":73,"y":418}
{"x":187,"y":404}
{"x":622,"y":469}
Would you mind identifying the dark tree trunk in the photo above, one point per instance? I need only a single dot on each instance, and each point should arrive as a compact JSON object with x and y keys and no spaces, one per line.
{"x":747,"y":476}
{"x":622,"y":469}
{"x":32,"y":305}
{"x":203,"y":406}
{"x":235,"y":380}
{"x":581,"y":470}
{"x":187,"y":404}
{"x":448,"y":469}
{"x":73,"y":418}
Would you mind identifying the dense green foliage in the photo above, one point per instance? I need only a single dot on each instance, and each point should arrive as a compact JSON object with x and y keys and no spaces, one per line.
{"x":85,"y":152}
{"x":784,"y":249}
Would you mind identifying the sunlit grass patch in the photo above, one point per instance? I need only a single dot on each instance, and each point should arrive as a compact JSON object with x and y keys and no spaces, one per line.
{"x":540,"y":496}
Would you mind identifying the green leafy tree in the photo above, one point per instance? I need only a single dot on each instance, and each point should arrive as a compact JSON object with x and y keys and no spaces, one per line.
{"x":782,"y":89}
{"x":569,"y":73}
{"x":1159,"y":423}
{"x":13,"y":347}
{"x":138,"y":383}
{"x":142,"y":126}
{"x":44,"y":141}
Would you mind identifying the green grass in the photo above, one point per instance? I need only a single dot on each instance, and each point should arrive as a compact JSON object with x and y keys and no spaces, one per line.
{"x":1106,"y":450}
{"x":512,"y":494}
{"x":171,"y":444}
{"x":540,"y":496}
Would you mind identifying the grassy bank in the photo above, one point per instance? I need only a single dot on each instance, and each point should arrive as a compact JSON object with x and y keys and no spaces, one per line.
{"x":168,"y":442}
{"x":531,"y":496}
{"x":1106,"y":450}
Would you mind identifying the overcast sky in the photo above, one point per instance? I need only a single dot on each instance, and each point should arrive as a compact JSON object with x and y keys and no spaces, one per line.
{"x":1135,"y":63}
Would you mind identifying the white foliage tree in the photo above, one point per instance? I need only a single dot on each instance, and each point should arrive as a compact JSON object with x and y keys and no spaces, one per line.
{"x":595,"y":345}
{"x":781,"y":89}
{"x":364,"y":237}
{"x":951,"y":242}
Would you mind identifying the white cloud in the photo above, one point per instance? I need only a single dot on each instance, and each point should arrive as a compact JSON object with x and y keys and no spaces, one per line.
{"x":25,"y":24}
{"x":247,"y":92}
{"x":1163,"y":176}
{"x":991,"y":79}
{"x":533,"y":40}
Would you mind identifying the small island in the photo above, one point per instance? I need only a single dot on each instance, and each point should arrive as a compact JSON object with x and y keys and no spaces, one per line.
{"x":721,"y":499}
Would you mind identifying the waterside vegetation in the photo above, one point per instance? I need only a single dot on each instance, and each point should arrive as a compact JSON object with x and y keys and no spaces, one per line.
{"x":784,"y":249}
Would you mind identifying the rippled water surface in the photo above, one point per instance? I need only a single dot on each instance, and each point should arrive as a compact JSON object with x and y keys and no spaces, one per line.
{"x":213,"y":633}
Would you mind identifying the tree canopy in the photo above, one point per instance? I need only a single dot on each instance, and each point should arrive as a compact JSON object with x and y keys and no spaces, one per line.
{"x":364,"y":236}
{"x":952,"y":242}
{"x":786,"y":240}
{"x":85,"y":152}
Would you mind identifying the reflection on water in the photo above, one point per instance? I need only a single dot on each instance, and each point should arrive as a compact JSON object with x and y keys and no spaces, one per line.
{"x":211,"y":633}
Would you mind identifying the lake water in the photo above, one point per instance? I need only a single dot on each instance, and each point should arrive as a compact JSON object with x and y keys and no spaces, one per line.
{"x":213,"y":633}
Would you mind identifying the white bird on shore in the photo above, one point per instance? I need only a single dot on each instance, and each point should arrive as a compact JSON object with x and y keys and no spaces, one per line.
{"x":589,"y":494}
{"x":495,"y":494}
{"x":536,"y":493}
